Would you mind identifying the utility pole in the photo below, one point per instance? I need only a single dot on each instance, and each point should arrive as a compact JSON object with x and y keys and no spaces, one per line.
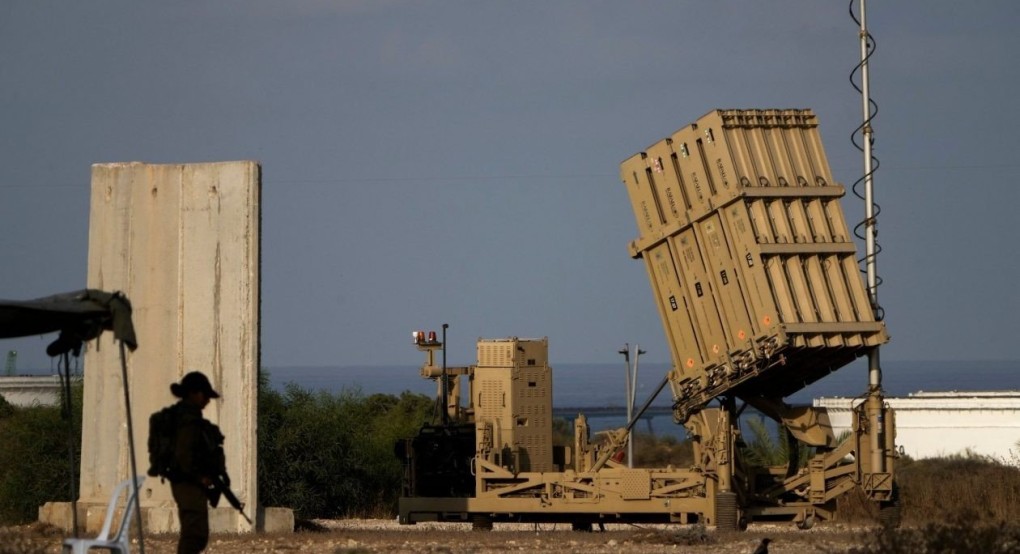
{"x":631,"y":386}
{"x":630,"y":406}
{"x":630,"y":400}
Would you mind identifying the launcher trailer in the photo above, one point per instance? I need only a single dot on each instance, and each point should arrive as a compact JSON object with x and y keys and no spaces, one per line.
{"x":757,"y":284}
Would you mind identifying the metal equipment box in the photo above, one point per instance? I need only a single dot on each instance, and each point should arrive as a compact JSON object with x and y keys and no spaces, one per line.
{"x":748,"y":253}
{"x":513,"y":402}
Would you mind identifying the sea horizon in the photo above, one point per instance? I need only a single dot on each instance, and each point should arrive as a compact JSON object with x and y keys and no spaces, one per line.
{"x":588,"y":385}
{"x":603,"y":384}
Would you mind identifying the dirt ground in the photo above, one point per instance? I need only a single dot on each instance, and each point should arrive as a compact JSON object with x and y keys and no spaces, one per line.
{"x":369,"y":536}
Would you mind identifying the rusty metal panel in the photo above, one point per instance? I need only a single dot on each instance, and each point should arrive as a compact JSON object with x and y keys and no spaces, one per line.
{"x":748,"y":253}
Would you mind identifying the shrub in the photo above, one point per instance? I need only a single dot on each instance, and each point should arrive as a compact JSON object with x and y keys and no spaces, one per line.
{"x":6,"y":408}
{"x":34,"y":465}
{"x":661,"y":451}
{"x":984,"y":490}
{"x":327,"y":455}
{"x":959,"y":534}
{"x":763,"y":450}
{"x":939,"y":489}
{"x":563,"y":432}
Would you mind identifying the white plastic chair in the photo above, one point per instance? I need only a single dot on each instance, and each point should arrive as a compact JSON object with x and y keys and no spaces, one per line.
{"x":119,"y":542}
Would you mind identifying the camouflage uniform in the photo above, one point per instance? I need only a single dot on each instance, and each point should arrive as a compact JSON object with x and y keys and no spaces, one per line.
{"x":198,"y":458}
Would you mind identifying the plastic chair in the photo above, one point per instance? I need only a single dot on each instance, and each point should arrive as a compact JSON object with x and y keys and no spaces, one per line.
{"x":119,"y":542}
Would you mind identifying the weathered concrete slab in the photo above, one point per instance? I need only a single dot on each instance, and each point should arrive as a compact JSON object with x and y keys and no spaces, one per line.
{"x":182,"y":242}
{"x":24,"y":391}
{"x":163,"y":519}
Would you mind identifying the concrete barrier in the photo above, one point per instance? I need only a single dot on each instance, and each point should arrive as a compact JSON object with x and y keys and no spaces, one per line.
{"x":31,"y":390}
{"x":936,"y":424}
{"x":182,"y":241}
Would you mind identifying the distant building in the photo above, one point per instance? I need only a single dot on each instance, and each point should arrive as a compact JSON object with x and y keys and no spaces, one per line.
{"x":27,"y":391}
{"x":935,"y":424}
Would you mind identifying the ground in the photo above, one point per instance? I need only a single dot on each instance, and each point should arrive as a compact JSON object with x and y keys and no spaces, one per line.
{"x":352,"y":536}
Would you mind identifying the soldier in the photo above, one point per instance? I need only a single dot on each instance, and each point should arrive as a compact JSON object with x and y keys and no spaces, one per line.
{"x":198,"y":459}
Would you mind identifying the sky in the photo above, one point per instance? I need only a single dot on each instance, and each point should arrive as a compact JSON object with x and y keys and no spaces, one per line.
{"x":428,"y":162}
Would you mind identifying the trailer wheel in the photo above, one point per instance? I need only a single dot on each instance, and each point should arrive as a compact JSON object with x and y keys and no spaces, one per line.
{"x":726,"y":517}
{"x":806,"y":523}
{"x":581,"y":526}
{"x":890,"y":515}
{"x":890,"y":512}
{"x":481,"y":522}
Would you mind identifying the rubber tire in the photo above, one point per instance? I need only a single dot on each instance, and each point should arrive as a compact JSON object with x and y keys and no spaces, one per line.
{"x":481,"y":522}
{"x":890,"y":513}
{"x":726,"y":516}
{"x":808,"y":523}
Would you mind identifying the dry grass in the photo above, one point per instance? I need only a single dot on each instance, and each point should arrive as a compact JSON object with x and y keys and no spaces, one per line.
{"x":938,"y":491}
{"x":957,"y":504}
{"x":378,"y":536}
{"x":37,"y":538}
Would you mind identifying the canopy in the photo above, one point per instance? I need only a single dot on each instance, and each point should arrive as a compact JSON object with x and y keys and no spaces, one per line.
{"x":79,"y":316}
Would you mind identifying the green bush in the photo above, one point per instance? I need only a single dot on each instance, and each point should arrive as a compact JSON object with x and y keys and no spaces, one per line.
{"x":326,"y":455}
{"x":34,"y":465}
{"x":6,"y":408}
{"x":661,"y":451}
{"x":321,"y":454}
{"x":762,"y":449}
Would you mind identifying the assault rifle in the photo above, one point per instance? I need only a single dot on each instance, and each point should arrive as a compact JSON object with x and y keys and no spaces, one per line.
{"x":221,"y":486}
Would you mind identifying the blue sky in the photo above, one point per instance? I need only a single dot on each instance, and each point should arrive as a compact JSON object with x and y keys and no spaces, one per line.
{"x":441,"y":161}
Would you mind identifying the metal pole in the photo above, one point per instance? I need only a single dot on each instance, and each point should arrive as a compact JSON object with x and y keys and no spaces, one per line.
{"x":446,"y":414}
{"x":637,"y":357}
{"x":68,"y":412}
{"x":630,"y":399}
{"x":874,"y":369}
{"x":131,"y":447}
{"x":631,"y":385}
{"x":874,"y":408}
{"x":633,"y":394}
{"x":601,"y":461}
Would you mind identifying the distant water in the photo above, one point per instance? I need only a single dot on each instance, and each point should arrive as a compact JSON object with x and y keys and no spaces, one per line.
{"x":588,"y":385}
{"x":585,"y":385}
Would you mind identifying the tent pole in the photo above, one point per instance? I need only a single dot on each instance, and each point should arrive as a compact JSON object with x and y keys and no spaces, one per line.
{"x":68,"y":415}
{"x":131,"y":447}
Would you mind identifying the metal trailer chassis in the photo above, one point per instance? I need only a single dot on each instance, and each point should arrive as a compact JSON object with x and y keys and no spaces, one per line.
{"x":719,"y":490}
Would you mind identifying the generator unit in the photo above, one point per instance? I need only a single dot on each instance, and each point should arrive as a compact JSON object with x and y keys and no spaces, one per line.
{"x":512,"y":404}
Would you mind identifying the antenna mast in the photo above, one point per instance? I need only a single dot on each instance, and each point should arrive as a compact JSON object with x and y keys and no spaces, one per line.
{"x":870,"y":231}
{"x":874,"y":405}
